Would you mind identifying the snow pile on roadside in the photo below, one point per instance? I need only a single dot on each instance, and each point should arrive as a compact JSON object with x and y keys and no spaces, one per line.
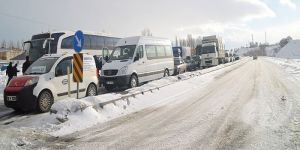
{"x":291,"y":66}
{"x":291,"y":50}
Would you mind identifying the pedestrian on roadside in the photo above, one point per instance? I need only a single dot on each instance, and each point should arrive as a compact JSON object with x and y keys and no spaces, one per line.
{"x":9,"y":72}
{"x":26,"y":65}
{"x":15,"y":70}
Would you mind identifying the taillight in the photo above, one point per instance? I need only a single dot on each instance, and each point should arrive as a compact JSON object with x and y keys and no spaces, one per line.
{"x":97,"y":72}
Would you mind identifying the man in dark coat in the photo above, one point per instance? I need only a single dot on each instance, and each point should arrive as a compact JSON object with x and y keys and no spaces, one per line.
{"x":26,"y":65}
{"x":15,"y":70}
{"x":9,"y":72}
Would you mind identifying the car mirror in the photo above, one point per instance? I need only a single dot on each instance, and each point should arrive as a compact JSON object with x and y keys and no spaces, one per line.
{"x":136,"y":58}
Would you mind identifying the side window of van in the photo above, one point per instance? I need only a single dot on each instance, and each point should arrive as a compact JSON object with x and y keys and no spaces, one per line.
{"x":150,"y":51}
{"x":160,"y":51}
{"x":169,"y":52}
{"x":62,"y":68}
{"x":141,"y":51}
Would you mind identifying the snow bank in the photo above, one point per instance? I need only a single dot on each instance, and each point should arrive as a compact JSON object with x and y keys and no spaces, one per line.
{"x":291,"y":50}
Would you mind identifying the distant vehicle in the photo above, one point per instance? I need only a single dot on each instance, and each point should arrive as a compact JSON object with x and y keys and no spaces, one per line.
{"x":182,"y":52}
{"x":227,"y":56}
{"x":179,"y":66}
{"x":136,"y":60}
{"x":4,"y":67}
{"x":254,"y":57}
{"x":212,"y":51}
{"x":61,"y":42}
{"x":46,"y":81}
{"x":231,"y":56}
{"x":236,"y":57}
{"x":191,"y":64}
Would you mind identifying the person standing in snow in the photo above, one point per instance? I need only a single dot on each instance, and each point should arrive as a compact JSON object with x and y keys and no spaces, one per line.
{"x":15,"y":70}
{"x":9,"y":72}
{"x":26,"y":65}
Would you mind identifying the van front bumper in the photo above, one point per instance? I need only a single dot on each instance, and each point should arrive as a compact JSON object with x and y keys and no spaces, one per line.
{"x":115,"y":81}
{"x":20,"y":98}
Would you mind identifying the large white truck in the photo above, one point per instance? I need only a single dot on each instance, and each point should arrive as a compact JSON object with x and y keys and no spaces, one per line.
{"x":212,"y":51}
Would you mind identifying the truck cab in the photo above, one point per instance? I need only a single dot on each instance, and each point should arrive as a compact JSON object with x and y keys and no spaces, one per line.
{"x":209,"y":55}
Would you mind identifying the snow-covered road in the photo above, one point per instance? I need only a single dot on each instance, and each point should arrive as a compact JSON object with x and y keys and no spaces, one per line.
{"x":243,"y":108}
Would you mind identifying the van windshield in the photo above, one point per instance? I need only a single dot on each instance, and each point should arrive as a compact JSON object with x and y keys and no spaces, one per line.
{"x":41,"y":66}
{"x":123,"y":52}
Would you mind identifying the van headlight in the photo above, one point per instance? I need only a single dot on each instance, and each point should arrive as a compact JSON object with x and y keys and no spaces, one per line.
{"x":123,"y":70}
{"x":32,"y":81}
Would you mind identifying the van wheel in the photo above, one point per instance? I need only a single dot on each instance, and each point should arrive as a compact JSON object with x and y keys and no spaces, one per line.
{"x":166,"y":73}
{"x":134,"y":82}
{"x":91,"y":90}
{"x":45,"y":101}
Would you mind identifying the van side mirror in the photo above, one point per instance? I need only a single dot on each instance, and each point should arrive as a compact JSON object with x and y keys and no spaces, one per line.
{"x":136,"y":58}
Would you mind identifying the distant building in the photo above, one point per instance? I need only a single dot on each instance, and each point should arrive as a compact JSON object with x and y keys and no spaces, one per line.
{"x":7,"y":54}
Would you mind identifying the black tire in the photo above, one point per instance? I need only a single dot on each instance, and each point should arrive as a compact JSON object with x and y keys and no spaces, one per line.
{"x":91,"y":90}
{"x":166,"y":73}
{"x":133,"y":82}
{"x":45,"y":101}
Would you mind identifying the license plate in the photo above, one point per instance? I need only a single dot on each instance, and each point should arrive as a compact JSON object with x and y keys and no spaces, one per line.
{"x":109,"y":82}
{"x":11,"y":98}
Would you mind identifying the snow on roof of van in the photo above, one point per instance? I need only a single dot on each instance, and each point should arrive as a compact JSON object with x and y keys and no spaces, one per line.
{"x":291,"y":50}
{"x":143,"y":39}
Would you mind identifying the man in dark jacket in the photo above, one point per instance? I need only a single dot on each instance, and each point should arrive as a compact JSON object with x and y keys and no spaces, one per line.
{"x":26,"y":65}
{"x":9,"y":72}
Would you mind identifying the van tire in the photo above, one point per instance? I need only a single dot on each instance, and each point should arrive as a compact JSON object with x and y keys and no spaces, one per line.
{"x":166,"y":73}
{"x":91,"y":90}
{"x":45,"y":101}
{"x":133,"y":82}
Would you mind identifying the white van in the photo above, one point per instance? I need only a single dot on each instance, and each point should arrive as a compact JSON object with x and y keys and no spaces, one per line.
{"x":46,"y":80}
{"x":137,"y":59}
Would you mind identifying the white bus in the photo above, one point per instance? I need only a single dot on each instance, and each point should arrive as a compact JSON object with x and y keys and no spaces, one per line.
{"x":136,"y":60}
{"x":60,"y":42}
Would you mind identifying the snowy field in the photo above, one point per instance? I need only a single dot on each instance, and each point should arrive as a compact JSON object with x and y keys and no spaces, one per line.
{"x":249,"y":105}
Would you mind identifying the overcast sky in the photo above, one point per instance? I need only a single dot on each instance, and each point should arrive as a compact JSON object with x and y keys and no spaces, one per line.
{"x":234,"y":20}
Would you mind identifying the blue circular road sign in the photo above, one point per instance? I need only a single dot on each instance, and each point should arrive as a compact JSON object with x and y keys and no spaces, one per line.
{"x":78,"y":41}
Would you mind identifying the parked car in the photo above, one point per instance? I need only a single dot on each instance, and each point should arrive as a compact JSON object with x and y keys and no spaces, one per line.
{"x":4,"y":67}
{"x":46,"y":81}
{"x":136,"y":60}
{"x":236,"y":57}
{"x":191,"y":65}
{"x":179,"y":66}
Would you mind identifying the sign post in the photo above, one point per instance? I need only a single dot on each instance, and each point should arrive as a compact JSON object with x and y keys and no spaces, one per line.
{"x":78,"y":42}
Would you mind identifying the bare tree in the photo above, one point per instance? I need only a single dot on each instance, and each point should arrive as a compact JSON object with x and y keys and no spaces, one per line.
{"x":18,"y":46}
{"x":146,"y":32}
{"x":11,"y":45}
{"x":3,"y":44}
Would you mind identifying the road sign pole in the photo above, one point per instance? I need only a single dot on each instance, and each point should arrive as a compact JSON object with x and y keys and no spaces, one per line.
{"x":69,"y":86}
{"x":77,"y":90}
{"x":78,"y":43}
